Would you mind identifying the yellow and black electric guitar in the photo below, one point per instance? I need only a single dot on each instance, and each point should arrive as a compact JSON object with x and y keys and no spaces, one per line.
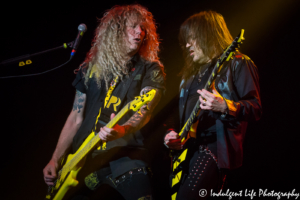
{"x":180,"y":160}
{"x":74,"y":163}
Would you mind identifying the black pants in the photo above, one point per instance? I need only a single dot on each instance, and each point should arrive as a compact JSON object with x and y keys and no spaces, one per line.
{"x":203,"y":177}
{"x":134,"y":184}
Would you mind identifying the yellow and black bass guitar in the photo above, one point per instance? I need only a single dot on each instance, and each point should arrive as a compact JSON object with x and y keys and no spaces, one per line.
{"x":180,"y":159}
{"x":74,"y":163}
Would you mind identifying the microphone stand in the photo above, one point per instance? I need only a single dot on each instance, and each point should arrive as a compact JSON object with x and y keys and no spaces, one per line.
{"x":28,"y":56}
{"x":28,"y":61}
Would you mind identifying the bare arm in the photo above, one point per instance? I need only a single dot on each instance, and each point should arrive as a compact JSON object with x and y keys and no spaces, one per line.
{"x":64,"y":143}
{"x":136,"y":122}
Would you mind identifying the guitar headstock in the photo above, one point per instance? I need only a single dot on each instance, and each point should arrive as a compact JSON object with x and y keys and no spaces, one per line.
{"x":139,"y":101}
{"x":235,"y":45}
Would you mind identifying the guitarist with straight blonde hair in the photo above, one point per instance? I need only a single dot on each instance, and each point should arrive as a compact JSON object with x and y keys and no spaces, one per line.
{"x":215,"y":141}
{"x":123,"y":63}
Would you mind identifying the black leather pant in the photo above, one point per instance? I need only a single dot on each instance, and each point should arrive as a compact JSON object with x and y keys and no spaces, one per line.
{"x":203,"y":177}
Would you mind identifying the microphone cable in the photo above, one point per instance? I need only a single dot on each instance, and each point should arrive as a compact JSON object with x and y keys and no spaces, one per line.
{"x":81,"y":30}
{"x":44,"y":72}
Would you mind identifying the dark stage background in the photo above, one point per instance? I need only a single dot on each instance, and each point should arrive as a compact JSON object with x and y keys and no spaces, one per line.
{"x":35,"y":108}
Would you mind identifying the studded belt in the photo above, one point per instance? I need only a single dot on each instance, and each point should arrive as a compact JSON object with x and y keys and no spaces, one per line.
{"x":120,"y":179}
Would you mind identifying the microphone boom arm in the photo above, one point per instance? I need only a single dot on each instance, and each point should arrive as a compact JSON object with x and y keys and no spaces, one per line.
{"x":27,"y":56}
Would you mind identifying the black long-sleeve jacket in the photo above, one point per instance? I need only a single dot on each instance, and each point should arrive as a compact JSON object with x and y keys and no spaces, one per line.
{"x":238,"y":84}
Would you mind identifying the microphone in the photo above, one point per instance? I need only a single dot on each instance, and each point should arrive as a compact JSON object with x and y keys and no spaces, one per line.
{"x":81,"y":29}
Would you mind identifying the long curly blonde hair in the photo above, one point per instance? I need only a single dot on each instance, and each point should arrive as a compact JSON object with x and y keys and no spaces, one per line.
{"x":107,"y":58}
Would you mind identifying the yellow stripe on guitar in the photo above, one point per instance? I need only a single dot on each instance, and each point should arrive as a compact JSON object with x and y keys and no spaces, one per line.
{"x":174,"y":196}
{"x":229,"y":57}
{"x":177,"y":177}
{"x":180,"y":159}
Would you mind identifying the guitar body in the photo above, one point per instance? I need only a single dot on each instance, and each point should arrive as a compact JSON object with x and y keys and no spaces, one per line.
{"x":67,"y":185}
{"x":70,"y":181}
{"x":177,"y":177}
{"x":74,"y":162}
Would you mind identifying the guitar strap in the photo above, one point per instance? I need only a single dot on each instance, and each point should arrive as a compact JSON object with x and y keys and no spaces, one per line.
{"x":106,"y":119}
{"x":120,"y":92}
{"x":108,"y":95}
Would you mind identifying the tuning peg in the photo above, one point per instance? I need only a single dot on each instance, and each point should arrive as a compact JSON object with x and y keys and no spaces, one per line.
{"x":146,"y":108}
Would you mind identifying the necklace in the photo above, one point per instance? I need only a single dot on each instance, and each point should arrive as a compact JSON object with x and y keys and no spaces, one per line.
{"x":201,"y":75}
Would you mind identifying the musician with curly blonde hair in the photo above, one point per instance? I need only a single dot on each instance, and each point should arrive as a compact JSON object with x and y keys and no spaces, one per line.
{"x":123,"y":59}
{"x":109,"y":38}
